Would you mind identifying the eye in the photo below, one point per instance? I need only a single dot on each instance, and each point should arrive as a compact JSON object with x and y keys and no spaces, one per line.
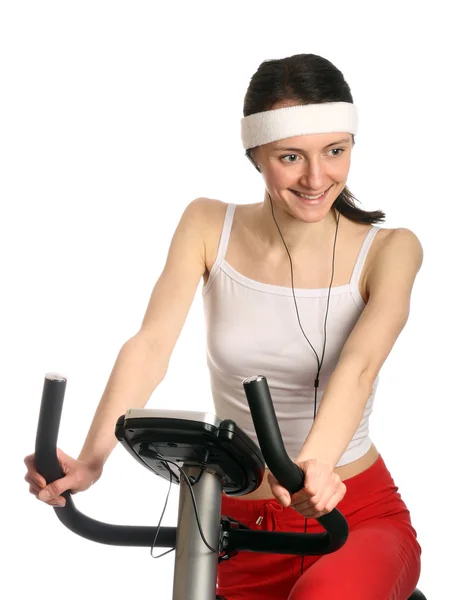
{"x":287,"y":155}
{"x":341,"y":150}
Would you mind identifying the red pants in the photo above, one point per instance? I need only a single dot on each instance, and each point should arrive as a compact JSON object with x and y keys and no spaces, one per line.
{"x":379,"y":561}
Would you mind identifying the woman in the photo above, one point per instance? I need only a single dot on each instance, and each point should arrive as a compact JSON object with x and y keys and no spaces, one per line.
{"x":266,"y":267}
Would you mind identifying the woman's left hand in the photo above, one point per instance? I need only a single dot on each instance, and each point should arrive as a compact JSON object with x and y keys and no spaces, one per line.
{"x":322,"y":490}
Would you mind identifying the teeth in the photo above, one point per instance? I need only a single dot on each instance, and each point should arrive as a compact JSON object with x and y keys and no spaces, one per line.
{"x":310,"y":197}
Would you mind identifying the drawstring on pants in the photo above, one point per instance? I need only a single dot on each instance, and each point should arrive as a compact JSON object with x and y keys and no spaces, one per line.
{"x":268,"y":514}
{"x":267,"y":519}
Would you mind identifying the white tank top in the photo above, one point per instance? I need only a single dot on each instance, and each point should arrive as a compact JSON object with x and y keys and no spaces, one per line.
{"x":252,"y":329}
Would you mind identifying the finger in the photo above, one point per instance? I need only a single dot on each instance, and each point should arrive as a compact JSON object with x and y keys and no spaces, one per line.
{"x":315,"y":504}
{"x":280,"y":492}
{"x":271,"y":479}
{"x":57,"y":502}
{"x":319,"y":487}
{"x":325,"y":506}
{"x":327,"y":496}
{"x":306,"y":505}
{"x":31,"y":469}
{"x":39,"y":481}
{"x":282,"y":495}
{"x":32,"y":484}
{"x":302,"y":497}
{"x":333,"y":494}
{"x":309,"y":513}
{"x":312,"y":480}
{"x":336,"y":498}
{"x":34,"y":490}
{"x":29,"y":460}
{"x":319,"y":480}
{"x":64,"y":460}
{"x":55,"y":489}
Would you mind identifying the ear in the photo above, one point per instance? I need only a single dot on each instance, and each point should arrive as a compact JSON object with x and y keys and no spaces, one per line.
{"x":247,"y":154}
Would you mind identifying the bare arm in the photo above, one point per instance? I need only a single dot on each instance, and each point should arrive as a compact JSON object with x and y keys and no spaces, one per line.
{"x":143,"y":360}
{"x":137,"y":372}
{"x":389,"y":284}
{"x":366,"y":349}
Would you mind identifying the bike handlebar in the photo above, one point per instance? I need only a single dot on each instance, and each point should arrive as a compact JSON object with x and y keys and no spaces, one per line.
{"x":286,"y":472}
{"x":47,"y":464}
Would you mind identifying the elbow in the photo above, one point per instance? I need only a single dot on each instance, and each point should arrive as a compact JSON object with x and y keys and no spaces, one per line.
{"x":355,"y":370}
{"x":146,"y":349}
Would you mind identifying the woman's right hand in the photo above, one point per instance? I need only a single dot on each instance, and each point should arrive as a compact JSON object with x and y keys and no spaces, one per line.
{"x":78,"y":477}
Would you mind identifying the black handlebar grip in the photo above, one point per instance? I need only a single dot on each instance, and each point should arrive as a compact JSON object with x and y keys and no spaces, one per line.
{"x":48,"y":466}
{"x":287,"y":473}
{"x":265,"y":422}
{"x":48,"y":425}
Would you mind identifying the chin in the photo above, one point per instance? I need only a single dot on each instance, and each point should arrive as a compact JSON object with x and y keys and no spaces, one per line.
{"x":312,"y":216}
{"x":313,"y":213}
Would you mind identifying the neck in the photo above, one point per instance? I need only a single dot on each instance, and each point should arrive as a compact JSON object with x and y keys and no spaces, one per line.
{"x":298,"y":235}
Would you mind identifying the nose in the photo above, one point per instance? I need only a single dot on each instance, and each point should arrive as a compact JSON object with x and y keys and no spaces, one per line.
{"x":313,"y":176}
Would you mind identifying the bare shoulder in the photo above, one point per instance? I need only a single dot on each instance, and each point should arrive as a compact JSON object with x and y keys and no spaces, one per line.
{"x":389,"y":240}
{"x":397,"y":248}
{"x":399,"y":241}
{"x":210,"y":214}
{"x":208,"y":210}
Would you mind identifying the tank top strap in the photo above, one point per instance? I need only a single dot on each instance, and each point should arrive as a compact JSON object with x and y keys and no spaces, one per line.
{"x":355,"y":277}
{"x":223,"y":243}
{"x":225,"y":234}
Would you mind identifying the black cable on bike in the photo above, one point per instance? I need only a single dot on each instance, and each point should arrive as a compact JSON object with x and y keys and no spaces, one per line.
{"x":159,"y":522}
{"x":196,"y":511}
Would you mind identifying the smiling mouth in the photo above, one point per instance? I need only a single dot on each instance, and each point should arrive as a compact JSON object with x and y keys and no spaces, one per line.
{"x":312,"y":201}
{"x":310,"y":196}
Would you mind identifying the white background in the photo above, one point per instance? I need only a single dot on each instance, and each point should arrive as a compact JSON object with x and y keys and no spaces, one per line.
{"x":114,"y":116}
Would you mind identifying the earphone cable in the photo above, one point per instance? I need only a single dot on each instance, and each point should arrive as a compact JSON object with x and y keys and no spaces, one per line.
{"x":316,"y":382}
{"x":292,"y":280}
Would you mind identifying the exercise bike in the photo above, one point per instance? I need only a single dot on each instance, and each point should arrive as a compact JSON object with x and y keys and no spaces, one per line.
{"x":205,"y":456}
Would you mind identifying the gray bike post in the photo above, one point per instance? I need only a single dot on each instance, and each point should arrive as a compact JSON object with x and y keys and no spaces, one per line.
{"x":195,"y":568}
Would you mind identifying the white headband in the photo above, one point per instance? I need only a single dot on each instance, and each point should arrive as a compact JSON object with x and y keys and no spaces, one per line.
{"x":303,"y":119}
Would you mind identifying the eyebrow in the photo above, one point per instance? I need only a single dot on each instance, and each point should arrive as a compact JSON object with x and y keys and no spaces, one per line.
{"x":300,"y":150}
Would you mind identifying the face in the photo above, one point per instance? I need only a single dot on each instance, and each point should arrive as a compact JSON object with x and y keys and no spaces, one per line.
{"x":307,"y":164}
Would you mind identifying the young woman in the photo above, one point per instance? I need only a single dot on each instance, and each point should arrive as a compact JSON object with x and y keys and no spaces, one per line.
{"x":305,"y":289}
